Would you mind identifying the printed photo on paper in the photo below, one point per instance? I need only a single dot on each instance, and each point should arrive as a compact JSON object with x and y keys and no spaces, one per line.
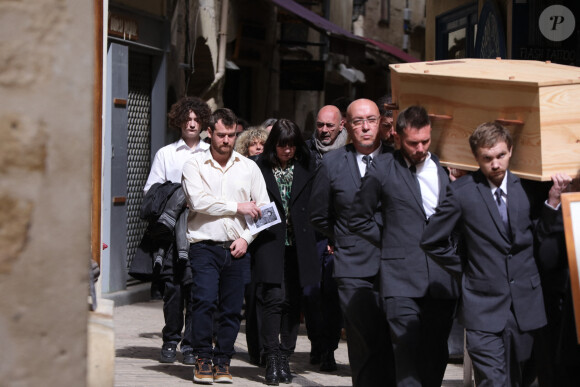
{"x":269,"y":218}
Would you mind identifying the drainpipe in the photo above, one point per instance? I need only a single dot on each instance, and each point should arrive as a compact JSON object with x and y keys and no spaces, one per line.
{"x":406,"y":26}
{"x":222,"y":34}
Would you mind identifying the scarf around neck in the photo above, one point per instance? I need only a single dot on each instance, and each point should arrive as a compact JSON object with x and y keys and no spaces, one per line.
{"x":339,"y":141}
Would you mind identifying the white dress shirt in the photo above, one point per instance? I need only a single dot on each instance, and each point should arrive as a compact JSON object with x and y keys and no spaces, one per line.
{"x":214,"y":193}
{"x":428,"y":177}
{"x":503,"y":187}
{"x":168,"y":162}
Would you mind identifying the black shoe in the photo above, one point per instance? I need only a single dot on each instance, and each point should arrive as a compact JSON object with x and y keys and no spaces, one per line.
{"x":188,"y":356}
{"x":168,"y":353}
{"x":284,"y":375}
{"x":314,"y":357}
{"x":272,"y":370}
{"x":327,"y":362}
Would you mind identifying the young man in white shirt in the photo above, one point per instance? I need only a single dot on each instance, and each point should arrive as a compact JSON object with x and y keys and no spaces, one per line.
{"x":221,"y":187}
{"x":419,"y":297}
{"x":190,"y":115}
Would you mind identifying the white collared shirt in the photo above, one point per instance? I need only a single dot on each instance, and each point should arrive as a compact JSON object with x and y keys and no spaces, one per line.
{"x":503,"y":187}
{"x":168,"y":162}
{"x":214,"y":192}
{"x":428,"y":177}
{"x":362,"y":167}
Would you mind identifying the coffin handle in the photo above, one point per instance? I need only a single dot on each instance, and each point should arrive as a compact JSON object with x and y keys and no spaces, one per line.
{"x":440,"y":117}
{"x":391,"y":106}
{"x":506,"y":122}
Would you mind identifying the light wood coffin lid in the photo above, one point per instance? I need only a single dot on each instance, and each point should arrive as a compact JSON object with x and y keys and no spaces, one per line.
{"x":537,"y":101}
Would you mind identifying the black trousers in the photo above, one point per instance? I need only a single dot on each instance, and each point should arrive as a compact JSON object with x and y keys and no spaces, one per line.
{"x":419,"y":330}
{"x":253,"y":322}
{"x":321,"y":306}
{"x":174,"y":281}
{"x":176,"y":297}
{"x":370,"y":352}
{"x":280,"y":310}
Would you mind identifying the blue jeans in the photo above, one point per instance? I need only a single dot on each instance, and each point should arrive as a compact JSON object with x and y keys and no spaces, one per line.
{"x":217,"y":276}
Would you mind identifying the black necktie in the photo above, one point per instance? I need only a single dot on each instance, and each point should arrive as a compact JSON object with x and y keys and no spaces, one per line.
{"x":413,"y":169}
{"x":367,"y":160}
{"x":502,"y":209}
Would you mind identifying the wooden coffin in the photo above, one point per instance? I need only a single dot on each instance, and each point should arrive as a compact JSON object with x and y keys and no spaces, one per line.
{"x":539,"y":102}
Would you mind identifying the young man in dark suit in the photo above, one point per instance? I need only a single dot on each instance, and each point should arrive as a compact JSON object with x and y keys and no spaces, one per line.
{"x":501,"y":303}
{"x":419,"y":297}
{"x":356,"y":261}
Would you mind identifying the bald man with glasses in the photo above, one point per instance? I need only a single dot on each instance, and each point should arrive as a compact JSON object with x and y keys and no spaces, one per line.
{"x":356,"y":260}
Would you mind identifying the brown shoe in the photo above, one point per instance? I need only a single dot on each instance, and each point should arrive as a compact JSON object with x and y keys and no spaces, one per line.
{"x":202,"y":372}
{"x":221,"y":373}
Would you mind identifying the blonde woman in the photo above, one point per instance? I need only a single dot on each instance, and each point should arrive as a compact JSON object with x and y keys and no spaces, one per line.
{"x":251,"y":142}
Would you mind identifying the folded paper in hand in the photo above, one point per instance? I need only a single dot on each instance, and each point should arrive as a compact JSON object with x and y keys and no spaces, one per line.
{"x":270,"y":217}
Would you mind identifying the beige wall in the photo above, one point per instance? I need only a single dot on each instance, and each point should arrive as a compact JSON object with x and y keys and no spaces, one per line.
{"x":340,"y":13}
{"x":393,"y":32}
{"x":46,"y":76}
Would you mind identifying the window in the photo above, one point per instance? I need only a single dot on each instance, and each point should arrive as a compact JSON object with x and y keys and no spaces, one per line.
{"x":456,"y":33}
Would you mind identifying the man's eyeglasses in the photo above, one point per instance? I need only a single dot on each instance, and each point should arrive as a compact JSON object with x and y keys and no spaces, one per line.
{"x":321,"y":125}
{"x":357,"y":123}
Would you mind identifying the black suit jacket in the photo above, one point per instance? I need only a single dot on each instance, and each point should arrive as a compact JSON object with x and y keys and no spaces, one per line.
{"x":337,"y":180}
{"x":499,"y":270}
{"x":406,"y":270}
{"x":268,"y":249}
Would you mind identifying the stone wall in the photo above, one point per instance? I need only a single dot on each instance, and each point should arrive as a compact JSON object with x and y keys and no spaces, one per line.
{"x":46,"y":80}
{"x":390,"y":30}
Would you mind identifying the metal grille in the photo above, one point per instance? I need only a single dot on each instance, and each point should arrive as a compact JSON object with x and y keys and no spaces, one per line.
{"x":138,"y":146}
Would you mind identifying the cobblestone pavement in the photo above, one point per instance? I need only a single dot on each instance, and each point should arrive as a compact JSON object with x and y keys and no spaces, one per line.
{"x":138,"y":342}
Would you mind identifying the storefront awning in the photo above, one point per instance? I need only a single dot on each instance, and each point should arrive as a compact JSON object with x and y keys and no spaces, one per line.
{"x":324,"y":25}
{"x":316,"y":21}
{"x":392,"y":50}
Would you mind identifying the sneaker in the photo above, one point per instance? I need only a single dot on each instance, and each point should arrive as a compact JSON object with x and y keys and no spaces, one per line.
{"x":168,"y":353}
{"x":202,"y":372}
{"x":188,"y":356}
{"x":221,"y":373}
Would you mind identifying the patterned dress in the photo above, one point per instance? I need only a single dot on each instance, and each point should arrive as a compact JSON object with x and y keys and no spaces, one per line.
{"x":284,"y":181}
